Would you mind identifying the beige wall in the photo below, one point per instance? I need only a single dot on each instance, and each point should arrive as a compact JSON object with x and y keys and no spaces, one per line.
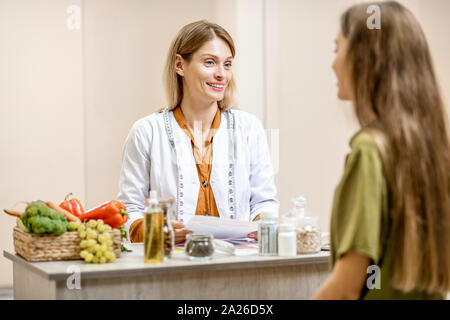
{"x":125,"y":45}
{"x":41,"y":109}
{"x":68,"y":98}
{"x":315,"y":127}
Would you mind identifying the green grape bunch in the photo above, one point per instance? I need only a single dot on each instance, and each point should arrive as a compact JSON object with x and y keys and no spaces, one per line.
{"x":96,"y":242}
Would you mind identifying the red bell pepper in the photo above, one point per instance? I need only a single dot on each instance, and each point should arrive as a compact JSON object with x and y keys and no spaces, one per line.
{"x":73,"y":205}
{"x":113,"y":213}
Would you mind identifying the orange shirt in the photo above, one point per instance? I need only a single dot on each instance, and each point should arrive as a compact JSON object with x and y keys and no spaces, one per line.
{"x":206,"y":203}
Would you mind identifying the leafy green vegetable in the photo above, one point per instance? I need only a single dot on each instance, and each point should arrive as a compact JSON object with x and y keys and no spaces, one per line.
{"x":123,"y":233}
{"x":40,"y":218}
{"x":125,"y":249}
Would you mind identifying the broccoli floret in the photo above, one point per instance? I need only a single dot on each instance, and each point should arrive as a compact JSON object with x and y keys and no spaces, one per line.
{"x":32,"y":210}
{"x":52,"y":214}
{"x":47,"y":225}
{"x":39,"y":218}
{"x":39,"y":224}
{"x":61,"y":227}
{"x":40,"y":205}
{"x":46,"y":211}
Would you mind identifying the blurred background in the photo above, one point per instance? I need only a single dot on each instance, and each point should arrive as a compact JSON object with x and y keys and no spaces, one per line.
{"x":76,"y":74}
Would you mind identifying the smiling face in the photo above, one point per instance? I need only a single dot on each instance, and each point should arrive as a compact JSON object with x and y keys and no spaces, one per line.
{"x":207,"y":73}
{"x":341,"y":69}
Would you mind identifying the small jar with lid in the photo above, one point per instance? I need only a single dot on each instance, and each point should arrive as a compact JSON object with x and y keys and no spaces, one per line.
{"x":199,"y":247}
{"x":308,"y":235}
{"x":298,"y":210}
{"x":287,"y":245}
{"x":268,"y":234}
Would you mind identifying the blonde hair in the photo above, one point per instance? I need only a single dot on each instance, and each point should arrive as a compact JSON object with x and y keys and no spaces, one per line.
{"x":395,"y":85}
{"x":189,"y":39}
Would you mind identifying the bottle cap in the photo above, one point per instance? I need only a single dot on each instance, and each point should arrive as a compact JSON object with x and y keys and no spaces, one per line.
{"x":291,"y":217}
{"x":268,"y":215}
{"x":286,"y":227}
{"x":153,"y":197}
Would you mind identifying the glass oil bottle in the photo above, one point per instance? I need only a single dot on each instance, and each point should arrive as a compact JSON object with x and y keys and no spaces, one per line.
{"x":153,"y":231}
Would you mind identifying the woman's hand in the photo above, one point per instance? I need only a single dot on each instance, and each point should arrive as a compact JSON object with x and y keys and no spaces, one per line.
{"x":180,"y":232}
{"x":253,"y":235}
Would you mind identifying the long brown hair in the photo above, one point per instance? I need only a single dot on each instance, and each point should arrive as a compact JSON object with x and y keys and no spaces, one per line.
{"x":394,"y":85}
{"x":188,"y":40}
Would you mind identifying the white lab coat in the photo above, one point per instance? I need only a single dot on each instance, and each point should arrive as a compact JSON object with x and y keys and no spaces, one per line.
{"x":149,"y":162}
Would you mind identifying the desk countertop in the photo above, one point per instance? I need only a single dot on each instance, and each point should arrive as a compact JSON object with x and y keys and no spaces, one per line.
{"x":132,"y":264}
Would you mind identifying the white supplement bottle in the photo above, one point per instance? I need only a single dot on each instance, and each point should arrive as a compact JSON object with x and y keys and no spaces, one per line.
{"x":267,"y":234}
{"x":287,"y":242}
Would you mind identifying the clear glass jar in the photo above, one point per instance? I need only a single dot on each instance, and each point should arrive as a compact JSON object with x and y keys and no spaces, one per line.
{"x":298,"y":210}
{"x":169,"y":235}
{"x":309,"y":238}
{"x":199,"y":247}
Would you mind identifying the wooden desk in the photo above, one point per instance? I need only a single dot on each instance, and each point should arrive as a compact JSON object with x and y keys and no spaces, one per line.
{"x":223,"y":277}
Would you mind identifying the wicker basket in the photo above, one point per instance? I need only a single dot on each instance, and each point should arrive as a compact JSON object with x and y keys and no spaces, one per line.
{"x":49,"y":247}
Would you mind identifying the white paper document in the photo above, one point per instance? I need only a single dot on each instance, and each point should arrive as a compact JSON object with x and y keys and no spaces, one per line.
{"x":221,"y":228}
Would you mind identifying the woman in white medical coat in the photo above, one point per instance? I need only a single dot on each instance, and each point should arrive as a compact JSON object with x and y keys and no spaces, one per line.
{"x":211,"y":159}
